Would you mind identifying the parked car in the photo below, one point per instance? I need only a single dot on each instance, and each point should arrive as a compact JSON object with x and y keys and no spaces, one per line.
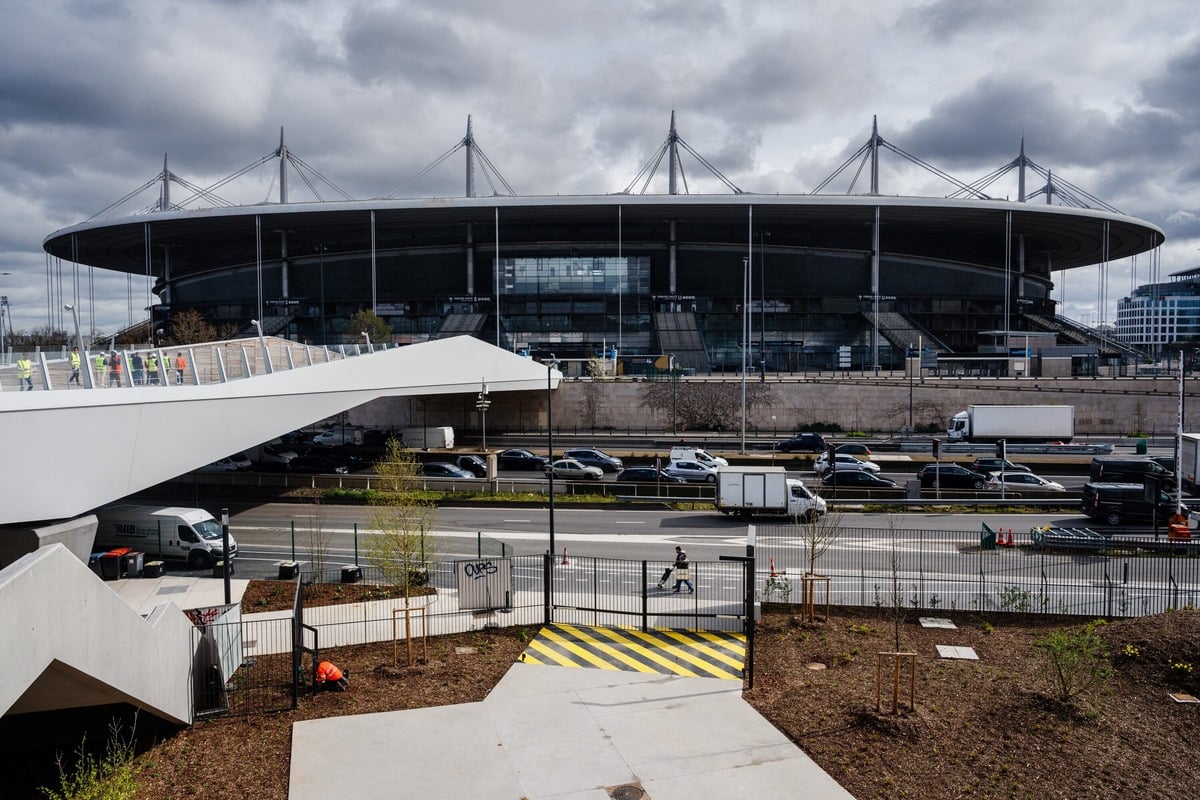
{"x":276,"y":453}
{"x":520,"y":459}
{"x":857,"y":478}
{"x":802,"y":443}
{"x":472,"y":464}
{"x":844,"y":462}
{"x":312,"y":463}
{"x":853,"y":449}
{"x":573,"y":470}
{"x":226,"y":464}
{"x":1024,"y":482}
{"x":443,"y":469}
{"x":990,"y":465}
{"x":951,"y":476}
{"x":596,"y":458}
{"x":692,"y":471}
{"x":647,"y":475}
{"x":335,"y":437}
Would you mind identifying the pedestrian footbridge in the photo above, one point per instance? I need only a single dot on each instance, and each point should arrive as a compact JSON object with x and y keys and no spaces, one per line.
{"x":70,"y":450}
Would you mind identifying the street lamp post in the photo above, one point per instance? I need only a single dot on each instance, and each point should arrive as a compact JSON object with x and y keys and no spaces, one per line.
{"x":88,"y":381}
{"x":551,"y":363}
{"x":908,"y":366}
{"x":3,"y":308}
{"x":674,"y":396}
{"x":762,"y":308}
{"x":482,"y":403}
{"x":745,"y":341}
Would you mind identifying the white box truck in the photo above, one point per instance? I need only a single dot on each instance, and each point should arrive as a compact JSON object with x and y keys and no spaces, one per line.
{"x":1013,"y":423}
{"x":749,"y":491}
{"x":1189,"y":461}
{"x":188,"y":534}
{"x":427,"y":438}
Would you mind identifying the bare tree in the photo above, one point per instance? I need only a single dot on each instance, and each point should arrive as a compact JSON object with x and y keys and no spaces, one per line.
{"x":403,"y":517}
{"x":817,"y":535}
{"x":318,"y":538}
{"x":704,"y":405}
{"x":190,"y":327}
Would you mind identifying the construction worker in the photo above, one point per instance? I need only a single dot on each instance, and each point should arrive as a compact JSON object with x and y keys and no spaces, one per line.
{"x":180,"y":367}
{"x":114,"y":369}
{"x":330,"y":678}
{"x":152,"y":368}
{"x":74,"y":367}
{"x":101,"y":368}
{"x":25,"y":373}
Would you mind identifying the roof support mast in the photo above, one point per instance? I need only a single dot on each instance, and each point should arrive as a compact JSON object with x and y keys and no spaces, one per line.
{"x":875,"y":140}
{"x":469,"y":145}
{"x":164,"y":200}
{"x":283,"y":160}
{"x":673,"y":157}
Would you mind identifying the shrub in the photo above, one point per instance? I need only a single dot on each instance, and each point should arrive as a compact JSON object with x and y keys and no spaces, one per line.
{"x":1074,"y":661}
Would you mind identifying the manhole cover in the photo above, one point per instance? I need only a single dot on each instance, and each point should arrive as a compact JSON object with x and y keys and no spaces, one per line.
{"x":628,"y":791}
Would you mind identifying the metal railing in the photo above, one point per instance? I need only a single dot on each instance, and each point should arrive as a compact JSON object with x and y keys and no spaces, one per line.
{"x":951,"y":570}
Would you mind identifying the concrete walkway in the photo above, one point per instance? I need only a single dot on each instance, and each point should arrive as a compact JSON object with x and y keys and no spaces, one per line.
{"x":556,"y":733}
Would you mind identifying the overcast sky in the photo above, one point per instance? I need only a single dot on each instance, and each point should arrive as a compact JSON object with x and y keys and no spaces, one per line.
{"x":574,"y":97}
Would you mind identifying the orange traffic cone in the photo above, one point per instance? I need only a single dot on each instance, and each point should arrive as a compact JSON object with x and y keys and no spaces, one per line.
{"x":565,"y":561}
{"x":774,"y":574}
{"x":1008,"y":542}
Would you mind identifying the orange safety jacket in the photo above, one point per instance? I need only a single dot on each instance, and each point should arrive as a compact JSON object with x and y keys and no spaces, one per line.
{"x":327,"y":671}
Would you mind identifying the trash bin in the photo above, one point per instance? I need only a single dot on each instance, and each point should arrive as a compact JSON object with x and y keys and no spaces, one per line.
{"x":134,"y":564}
{"x":110,"y":567}
{"x":288,"y":570}
{"x":94,"y":562}
{"x":351,"y":573}
{"x":219,"y":569}
{"x":153,"y":569}
{"x":1140,"y":447}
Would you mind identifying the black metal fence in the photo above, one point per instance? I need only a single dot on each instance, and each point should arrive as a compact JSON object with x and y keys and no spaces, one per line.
{"x":620,"y":592}
{"x":952,"y":570}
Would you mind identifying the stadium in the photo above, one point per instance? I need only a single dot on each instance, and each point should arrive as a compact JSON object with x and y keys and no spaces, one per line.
{"x":776,"y":282}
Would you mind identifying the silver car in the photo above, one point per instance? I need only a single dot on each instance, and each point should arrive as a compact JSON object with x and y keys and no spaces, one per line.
{"x":573,"y":470}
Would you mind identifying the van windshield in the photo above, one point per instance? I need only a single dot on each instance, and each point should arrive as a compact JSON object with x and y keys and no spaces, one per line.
{"x":208,"y":529}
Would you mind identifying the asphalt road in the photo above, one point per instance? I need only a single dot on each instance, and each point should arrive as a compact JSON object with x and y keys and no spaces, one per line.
{"x":265,"y":533}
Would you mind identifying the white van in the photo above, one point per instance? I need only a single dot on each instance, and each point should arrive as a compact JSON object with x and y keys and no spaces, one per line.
{"x":695,"y":454}
{"x":189,"y":534}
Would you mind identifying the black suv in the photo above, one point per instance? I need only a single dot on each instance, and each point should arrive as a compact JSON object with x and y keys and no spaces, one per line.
{"x":802,"y":443}
{"x":596,"y":458}
{"x":986,"y":465}
{"x":1115,"y":503}
{"x":951,"y":476}
{"x":1130,"y":470}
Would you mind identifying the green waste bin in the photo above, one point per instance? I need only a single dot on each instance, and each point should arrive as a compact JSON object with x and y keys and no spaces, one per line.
{"x":1141,"y":447}
{"x":987,"y":538}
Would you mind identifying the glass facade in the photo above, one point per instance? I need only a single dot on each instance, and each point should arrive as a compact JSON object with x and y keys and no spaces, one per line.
{"x":1159,"y":314}
{"x":575,"y":275}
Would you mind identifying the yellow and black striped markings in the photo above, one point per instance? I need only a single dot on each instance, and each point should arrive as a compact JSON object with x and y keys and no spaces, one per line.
{"x":692,"y":654}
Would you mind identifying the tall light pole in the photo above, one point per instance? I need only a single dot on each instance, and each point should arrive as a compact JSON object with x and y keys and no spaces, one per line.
{"x":762,"y":308}
{"x":674,"y":396}
{"x":908,"y":366}
{"x":88,"y":382}
{"x":551,"y":363}
{"x":3,"y":308}
{"x":482,"y":403}
{"x":745,"y":339}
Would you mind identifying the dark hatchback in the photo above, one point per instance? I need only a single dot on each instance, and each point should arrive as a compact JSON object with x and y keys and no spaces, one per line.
{"x":647,"y":475}
{"x":857,"y":478}
{"x":951,"y":476}
{"x":520,"y":459}
{"x":802,"y":443}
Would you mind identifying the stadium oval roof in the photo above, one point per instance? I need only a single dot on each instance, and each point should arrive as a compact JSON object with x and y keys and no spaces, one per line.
{"x":970,"y":231}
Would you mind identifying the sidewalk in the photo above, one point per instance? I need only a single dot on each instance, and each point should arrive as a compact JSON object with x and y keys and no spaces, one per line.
{"x":556,"y":733}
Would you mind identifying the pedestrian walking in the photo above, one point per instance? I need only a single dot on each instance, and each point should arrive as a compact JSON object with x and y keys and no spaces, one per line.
{"x":75,"y":362}
{"x":139,"y":368}
{"x":180,"y":367}
{"x":114,"y":369}
{"x":101,"y":368}
{"x":683,"y":571}
{"x":152,"y":368}
{"x":25,"y":373}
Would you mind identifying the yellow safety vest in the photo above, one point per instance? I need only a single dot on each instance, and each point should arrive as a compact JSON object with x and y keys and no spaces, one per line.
{"x":74,"y":360}
{"x":24,"y":368}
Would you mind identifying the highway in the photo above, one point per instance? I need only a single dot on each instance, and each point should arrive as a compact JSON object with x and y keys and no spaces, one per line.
{"x":265,"y":533}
